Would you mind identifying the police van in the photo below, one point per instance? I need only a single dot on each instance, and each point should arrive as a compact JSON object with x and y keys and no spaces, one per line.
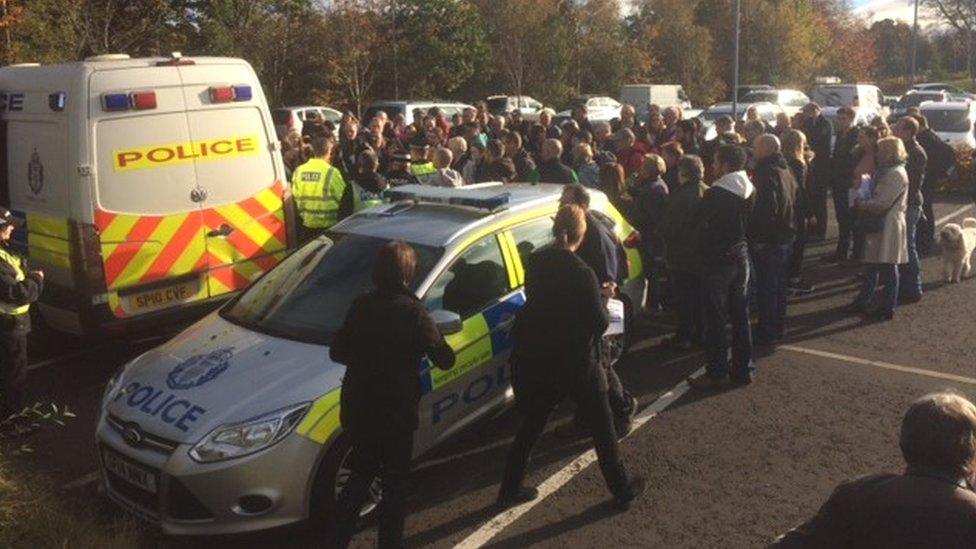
{"x":233,"y":425}
{"x":148,"y":186}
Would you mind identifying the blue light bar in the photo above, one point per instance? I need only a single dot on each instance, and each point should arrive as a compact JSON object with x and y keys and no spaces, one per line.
{"x":482,"y":199}
{"x":115,"y":101}
{"x":242,"y":93}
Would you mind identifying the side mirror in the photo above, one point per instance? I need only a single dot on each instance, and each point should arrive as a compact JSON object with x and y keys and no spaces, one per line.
{"x":448,"y":322}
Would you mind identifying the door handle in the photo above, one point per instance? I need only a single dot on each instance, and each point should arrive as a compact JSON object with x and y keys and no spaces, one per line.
{"x":198,"y":194}
{"x":223,"y":230}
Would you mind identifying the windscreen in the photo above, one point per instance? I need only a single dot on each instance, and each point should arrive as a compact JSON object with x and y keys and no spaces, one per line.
{"x":498,"y":105}
{"x":954,"y":121}
{"x":757,"y":97}
{"x":280,"y":116}
{"x":390,"y":110}
{"x":916,"y":99}
{"x":306,"y":297}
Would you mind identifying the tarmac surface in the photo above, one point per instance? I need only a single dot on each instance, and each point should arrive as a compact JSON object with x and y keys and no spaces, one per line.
{"x":725,"y":469}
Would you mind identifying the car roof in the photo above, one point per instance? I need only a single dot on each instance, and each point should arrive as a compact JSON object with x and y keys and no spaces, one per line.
{"x":946,"y":106}
{"x":439,"y":225}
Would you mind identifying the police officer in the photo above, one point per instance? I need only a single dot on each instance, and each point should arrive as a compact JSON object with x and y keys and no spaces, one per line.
{"x":365,"y":190}
{"x":420,"y":166}
{"x":19,"y":287}
{"x":317,"y":187}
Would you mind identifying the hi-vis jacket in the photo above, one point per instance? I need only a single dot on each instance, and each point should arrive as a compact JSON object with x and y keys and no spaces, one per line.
{"x":318,"y":188}
{"x":18,"y":290}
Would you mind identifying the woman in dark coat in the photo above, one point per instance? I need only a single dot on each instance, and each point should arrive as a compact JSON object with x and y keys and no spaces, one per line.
{"x":552,"y":358}
{"x":381,"y":391}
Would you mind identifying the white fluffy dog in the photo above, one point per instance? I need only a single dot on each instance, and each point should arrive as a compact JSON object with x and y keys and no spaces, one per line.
{"x":958,"y":243}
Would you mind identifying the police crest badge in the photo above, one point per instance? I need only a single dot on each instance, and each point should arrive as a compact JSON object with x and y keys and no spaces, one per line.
{"x":35,"y":173}
{"x":199,"y":369}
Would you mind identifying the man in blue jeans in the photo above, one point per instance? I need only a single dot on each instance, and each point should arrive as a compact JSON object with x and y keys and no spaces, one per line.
{"x":723,"y":216}
{"x":910,"y":273}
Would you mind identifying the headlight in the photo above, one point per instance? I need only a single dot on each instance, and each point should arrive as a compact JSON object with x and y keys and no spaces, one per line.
{"x":113,"y":383}
{"x":242,"y":439}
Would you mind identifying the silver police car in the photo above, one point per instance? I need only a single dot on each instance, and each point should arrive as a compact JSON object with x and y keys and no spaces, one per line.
{"x":233,"y":425}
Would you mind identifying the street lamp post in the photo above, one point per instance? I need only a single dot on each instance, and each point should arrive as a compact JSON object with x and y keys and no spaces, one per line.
{"x":735,"y":62}
{"x":915,"y":43}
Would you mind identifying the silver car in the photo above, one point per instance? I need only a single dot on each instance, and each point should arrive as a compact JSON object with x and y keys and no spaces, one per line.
{"x":233,"y":425}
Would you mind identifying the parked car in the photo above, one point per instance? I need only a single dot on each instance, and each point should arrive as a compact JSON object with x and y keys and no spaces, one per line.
{"x":849,"y":95}
{"x":641,"y":96}
{"x":942,"y":86}
{"x":790,"y":100}
{"x":528,"y":107}
{"x":914,"y":98}
{"x":767,"y":113}
{"x":598,"y":107}
{"x":287,"y":119}
{"x":952,"y":121}
{"x":406,"y":108}
{"x":746,"y":89}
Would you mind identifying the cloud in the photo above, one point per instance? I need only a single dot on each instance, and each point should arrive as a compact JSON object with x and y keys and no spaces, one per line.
{"x":899,"y":10}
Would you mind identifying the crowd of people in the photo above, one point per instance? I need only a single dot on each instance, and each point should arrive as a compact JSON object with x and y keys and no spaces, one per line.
{"x":723,"y":224}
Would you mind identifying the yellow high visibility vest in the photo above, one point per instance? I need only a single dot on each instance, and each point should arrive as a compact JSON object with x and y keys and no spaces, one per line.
{"x":317,"y":187}
{"x":17,"y":263}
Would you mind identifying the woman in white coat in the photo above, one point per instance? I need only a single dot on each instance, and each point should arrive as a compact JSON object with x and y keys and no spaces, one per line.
{"x":884,"y":250}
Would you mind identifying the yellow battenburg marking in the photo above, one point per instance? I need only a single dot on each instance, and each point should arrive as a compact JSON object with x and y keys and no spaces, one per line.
{"x":322,"y":421}
{"x":47,"y":240}
{"x":472,"y":348}
{"x":509,"y":261}
{"x":158,"y":156}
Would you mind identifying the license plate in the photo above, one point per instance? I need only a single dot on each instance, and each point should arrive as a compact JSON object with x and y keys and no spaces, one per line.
{"x":129,"y":472}
{"x":162,"y":297}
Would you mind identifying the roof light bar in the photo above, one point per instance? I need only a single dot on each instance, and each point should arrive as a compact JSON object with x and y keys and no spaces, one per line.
{"x":482,"y":199}
{"x":242,"y":93}
{"x":115,"y":101}
{"x":142,"y":101}
{"x":221,"y":94}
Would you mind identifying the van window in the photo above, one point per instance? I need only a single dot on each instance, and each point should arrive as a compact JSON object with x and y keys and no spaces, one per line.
{"x":280,"y":116}
{"x":139,"y":169}
{"x":249,"y":168}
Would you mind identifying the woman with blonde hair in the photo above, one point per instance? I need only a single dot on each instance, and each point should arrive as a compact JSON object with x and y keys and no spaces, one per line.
{"x":553,"y":337}
{"x":798,"y":158}
{"x":587,"y":170}
{"x":882,"y":221}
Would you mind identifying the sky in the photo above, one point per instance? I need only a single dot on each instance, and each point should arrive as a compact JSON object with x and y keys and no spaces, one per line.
{"x":890,"y":9}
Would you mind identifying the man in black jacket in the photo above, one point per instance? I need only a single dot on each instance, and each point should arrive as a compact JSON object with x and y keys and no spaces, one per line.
{"x":551,"y":169}
{"x":382,"y":341}
{"x":910,"y":274}
{"x":819,"y":132}
{"x":772,"y":229}
{"x":19,"y":287}
{"x":941,"y":158}
{"x":724,"y":217}
{"x":841,"y":175}
{"x":514,"y":151}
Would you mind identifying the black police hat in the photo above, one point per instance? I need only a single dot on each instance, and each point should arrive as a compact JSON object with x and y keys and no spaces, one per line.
{"x":7,"y":218}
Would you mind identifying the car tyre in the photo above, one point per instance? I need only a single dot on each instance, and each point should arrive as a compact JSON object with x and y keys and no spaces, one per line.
{"x":329,"y":480}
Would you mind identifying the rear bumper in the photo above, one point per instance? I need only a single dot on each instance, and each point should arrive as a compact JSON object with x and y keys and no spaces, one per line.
{"x":68,"y":311}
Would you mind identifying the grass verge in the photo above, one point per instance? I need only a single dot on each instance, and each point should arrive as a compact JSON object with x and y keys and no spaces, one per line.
{"x":33,"y":513}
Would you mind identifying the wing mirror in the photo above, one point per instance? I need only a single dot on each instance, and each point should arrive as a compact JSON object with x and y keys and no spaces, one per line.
{"x":448,"y":322}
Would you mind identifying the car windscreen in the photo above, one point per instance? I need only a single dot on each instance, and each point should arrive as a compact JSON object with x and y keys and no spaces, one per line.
{"x":760,"y":96}
{"x":916,"y":99}
{"x":390,"y":110}
{"x":954,"y":121}
{"x":498,"y":105}
{"x":713,"y":115}
{"x":306,"y":297}
{"x":280,"y":116}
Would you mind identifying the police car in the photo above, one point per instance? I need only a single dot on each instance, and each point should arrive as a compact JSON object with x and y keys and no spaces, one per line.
{"x":233,"y":425}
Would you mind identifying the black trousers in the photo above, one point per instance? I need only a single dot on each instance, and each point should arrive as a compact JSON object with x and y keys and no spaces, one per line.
{"x":621,"y":401}
{"x":817,"y":196}
{"x":925,"y":236}
{"x":794,"y":267}
{"x":13,"y":372}
{"x":384,"y":455}
{"x":535,"y":415}
{"x":845,"y":219}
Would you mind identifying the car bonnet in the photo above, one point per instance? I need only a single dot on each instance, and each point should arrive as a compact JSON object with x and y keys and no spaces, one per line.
{"x":217,"y":373}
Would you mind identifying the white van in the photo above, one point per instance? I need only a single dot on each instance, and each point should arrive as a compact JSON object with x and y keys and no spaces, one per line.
{"x":849,"y":95}
{"x":406,"y":108}
{"x":148,"y":186}
{"x":641,"y":96}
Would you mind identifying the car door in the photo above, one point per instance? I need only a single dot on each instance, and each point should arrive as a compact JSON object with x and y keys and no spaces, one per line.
{"x":480,"y":285}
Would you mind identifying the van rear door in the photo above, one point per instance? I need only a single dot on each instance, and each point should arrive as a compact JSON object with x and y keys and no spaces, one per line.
{"x":243,"y":211}
{"x":147,"y":207}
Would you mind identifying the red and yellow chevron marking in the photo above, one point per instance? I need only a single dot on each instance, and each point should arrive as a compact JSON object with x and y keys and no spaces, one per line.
{"x":142,"y":249}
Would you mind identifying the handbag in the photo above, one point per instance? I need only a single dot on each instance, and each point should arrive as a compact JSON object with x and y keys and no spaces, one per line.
{"x":870,"y":222}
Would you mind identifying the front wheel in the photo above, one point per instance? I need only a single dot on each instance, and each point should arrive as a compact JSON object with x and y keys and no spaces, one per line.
{"x":331,"y":479}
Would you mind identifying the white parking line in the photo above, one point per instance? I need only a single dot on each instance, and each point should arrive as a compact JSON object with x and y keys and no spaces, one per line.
{"x":879,"y":364}
{"x":493,"y":527}
{"x":81,"y":481}
{"x":961,"y":210}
